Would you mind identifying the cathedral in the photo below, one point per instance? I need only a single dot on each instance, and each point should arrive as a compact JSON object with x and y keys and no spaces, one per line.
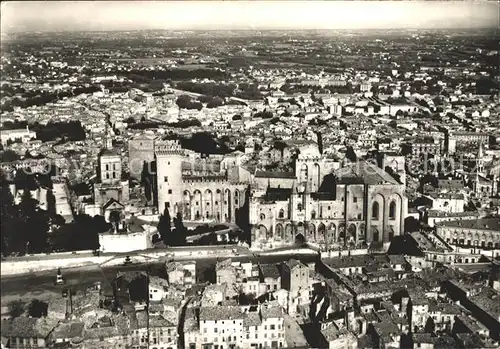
{"x":323,"y":201}
{"x":327,"y":204}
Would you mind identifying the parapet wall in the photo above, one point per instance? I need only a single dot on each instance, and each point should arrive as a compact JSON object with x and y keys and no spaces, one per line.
{"x":47,"y":262}
{"x":40,"y":263}
{"x":339,"y":253}
{"x":14,"y":267}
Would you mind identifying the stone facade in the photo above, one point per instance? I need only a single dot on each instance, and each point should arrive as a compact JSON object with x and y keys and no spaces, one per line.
{"x":355,"y":205}
{"x":320,"y":202}
{"x":208,"y":194}
{"x":140,"y":150}
{"x":484,"y":233}
{"x":110,"y":185}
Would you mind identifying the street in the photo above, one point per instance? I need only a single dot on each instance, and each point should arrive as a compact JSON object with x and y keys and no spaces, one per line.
{"x":42,"y":284}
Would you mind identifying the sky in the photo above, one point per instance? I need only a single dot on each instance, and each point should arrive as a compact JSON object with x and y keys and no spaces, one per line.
{"x":258,"y":15}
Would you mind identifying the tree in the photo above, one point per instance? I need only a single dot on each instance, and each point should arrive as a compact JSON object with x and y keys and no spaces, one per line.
{"x":9,"y":221}
{"x":37,"y":308}
{"x":350,"y":154}
{"x":183,"y":101}
{"x":429,"y":327}
{"x":180,"y":231}
{"x":9,"y":156}
{"x":81,"y":234}
{"x":35,"y":224}
{"x":146,"y":181}
{"x":164,"y":227}
{"x":411,"y":224}
{"x":16,"y":308}
{"x":51,"y":203}
{"x":215,"y":102}
{"x":99,"y":224}
{"x":470,"y":206}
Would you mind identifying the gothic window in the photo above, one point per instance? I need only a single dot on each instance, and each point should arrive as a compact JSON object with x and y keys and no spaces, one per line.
{"x":262,"y":216}
{"x":375,"y":211}
{"x":281,"y":214}
{"x":392,"y":210}
{"x":299,"y":207}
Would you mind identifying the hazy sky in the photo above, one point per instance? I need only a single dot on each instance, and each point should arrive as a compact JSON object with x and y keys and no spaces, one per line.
{"x":129,"y":15}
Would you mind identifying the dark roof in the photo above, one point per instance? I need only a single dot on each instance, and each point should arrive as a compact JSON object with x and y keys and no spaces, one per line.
{"x":110,"y":202}
{"x":109,"y":152}
{"x":278,"y":194}
{"x":484,"y":224}
{"x":269,"y":270}
{"x":273,"y":174}
{"x":363,"y":172}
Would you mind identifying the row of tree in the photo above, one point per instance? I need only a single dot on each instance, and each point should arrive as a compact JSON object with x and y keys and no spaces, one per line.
{"x":24,"y":226}
{"x":71,"y":130}
{"x":38,"y":98}
{"x":35,"y":308}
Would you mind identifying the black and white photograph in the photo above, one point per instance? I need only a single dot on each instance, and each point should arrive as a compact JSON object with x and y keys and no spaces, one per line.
{"x":250,"y":174}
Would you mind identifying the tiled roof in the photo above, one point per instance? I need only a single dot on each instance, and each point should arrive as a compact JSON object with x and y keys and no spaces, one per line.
{"x":28,"y":327}
{"x":220,"y":313}
{"x":251,"y":319}
{"x":68,"y":330}
{"x":292,"y":263}
{"x":271,"y":312}
{"x":269,"y":270}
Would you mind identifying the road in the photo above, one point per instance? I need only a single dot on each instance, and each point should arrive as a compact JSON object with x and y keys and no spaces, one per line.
{"x":41,"y":285}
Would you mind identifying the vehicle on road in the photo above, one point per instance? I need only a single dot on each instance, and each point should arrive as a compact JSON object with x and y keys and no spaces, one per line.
{"x":128,"y":261}
{"x":59,"y":278}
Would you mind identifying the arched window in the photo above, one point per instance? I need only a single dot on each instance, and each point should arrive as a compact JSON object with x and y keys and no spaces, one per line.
{"x":299,"y":207}
{"x":281,"y":214}
{"x":375,"y":211}
{"x":262,"y":216}
{"x":313,"y":214}
{"x":392,"y":210}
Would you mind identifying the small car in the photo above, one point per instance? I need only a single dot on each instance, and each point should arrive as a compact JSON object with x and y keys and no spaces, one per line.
{"x":59,"y":278}
{"x":128,"y":261}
